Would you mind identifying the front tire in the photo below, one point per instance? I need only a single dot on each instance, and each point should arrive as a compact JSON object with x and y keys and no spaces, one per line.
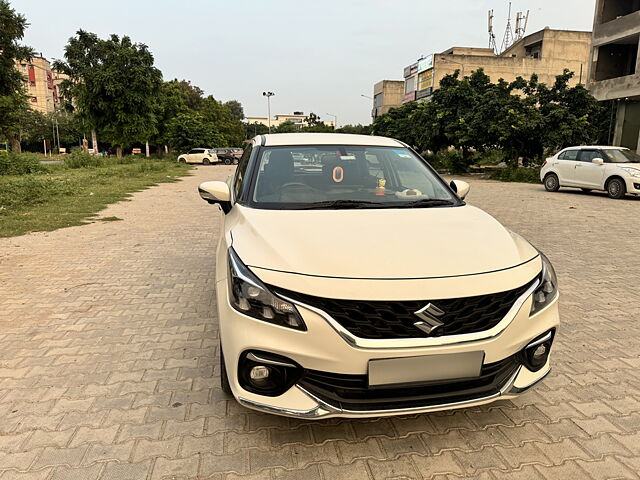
{"x":206,"y":162}
{"x":227,"y":161}
{"x":551,"y":183}
{"x":224,"y":379}
{"x":616,"y":188}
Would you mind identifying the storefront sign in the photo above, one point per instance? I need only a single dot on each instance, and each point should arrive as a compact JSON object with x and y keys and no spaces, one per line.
{"x":425,"y":63}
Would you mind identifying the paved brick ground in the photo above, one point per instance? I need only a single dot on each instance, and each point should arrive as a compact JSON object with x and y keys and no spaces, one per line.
{"x":108,"y":359}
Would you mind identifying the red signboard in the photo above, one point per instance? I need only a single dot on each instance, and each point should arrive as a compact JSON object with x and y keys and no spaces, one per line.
{"x":32,"y":74}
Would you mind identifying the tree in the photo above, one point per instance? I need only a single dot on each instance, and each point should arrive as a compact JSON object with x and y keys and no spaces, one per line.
{"x":114,"y":85}
{"x":355,"y":129}
{"x":253,"y":129}
{"x":13,"y":101}
{"x":523,"y":118}
{"x":286,"y":127}
{"x":192,"y":130}
{"x":235,"y":107}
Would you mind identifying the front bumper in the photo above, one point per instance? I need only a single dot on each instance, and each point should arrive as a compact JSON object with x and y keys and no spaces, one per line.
{"x":322,"y":348}
{"x":323,"y":409}
{"x":633,"y":185}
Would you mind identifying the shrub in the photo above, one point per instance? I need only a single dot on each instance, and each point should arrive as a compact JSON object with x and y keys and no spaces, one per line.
{"x":449,"y":161}
{"x":517,"y":174}
{"x":20,"y":163}
{"x":79,"y":159}
{"x":32,"y":190}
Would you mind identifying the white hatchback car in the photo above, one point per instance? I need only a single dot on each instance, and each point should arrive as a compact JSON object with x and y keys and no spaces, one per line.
{"x":205,"y":156}
{"x":613,"y":169}
{"x":363,"y":285}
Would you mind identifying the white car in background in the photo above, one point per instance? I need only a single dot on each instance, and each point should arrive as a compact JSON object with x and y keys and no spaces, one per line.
{"x":615,"y":170}
{"x":205,"y":156}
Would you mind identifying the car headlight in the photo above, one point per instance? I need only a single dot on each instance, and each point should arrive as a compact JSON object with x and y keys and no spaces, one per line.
{"x":251,"y":297}
{"x":548,"y":288}
{"x":634,"y":172}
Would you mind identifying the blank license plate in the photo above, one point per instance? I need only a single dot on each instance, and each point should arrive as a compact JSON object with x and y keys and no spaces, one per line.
{"x":423,"y":369}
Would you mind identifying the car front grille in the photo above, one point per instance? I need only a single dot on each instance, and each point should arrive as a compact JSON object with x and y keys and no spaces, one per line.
{"x":351,"y":392}
{"x":386,"y":320}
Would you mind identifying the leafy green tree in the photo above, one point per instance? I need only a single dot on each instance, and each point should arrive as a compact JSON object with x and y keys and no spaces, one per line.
{"x":253,"y":129}
{"x":355,"y":129}
{"x":286,"y":127}
{"x":192,"y":130}
{"x":230,"y":130}
{"x":236,"y":110}
{"x":523,"y":118}
{"x":13,"y":101}
{"x":113,"y":84}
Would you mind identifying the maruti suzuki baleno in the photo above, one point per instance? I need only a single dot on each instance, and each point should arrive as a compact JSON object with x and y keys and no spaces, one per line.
{"x":353,"y":281}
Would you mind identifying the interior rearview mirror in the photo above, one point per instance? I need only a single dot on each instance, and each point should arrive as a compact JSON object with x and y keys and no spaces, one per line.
{"x":461,"y":188}
{"x":598,"y":161}
{"x":216,"y":192}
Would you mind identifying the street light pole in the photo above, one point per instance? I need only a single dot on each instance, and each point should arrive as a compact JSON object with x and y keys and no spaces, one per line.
{"x":268,"y":95}
{"x":366,"y":96}
{"x":335,"y":120}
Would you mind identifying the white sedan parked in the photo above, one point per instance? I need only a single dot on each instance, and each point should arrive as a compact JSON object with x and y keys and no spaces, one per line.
{"x":206,"y":156}
{"x":615,"y":170}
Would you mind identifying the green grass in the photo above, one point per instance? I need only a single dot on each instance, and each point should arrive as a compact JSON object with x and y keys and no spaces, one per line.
{"x":64,"y":196}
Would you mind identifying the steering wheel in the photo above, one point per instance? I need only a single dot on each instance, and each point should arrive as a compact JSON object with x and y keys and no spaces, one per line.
{"x":295,"y":185}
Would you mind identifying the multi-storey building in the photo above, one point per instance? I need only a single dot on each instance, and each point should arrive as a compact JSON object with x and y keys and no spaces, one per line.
{"x":42,"y":84}
{"x":614,"y":72}
{"x":387,"y":94}
{"x":299,"y":119}
{"x":546,"y":53}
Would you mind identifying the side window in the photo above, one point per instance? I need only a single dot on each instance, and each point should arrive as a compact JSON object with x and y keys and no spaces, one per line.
{"x":241,"y":170}
{"x":191,"y":152}
{"x":569,"y":155}
{"x":588,"y":155}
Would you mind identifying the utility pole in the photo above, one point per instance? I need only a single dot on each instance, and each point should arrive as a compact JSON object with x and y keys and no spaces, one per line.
{"x":268,"y":95}
{"x":335,"y":120}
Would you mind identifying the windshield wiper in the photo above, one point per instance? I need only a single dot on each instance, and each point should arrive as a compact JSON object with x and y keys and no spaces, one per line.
{"x":340,"y":204}
{"x":426,"y":202}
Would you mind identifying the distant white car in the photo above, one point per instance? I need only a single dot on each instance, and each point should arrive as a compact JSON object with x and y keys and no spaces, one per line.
{"x":205,"y":156}
{"x":615,"y":170}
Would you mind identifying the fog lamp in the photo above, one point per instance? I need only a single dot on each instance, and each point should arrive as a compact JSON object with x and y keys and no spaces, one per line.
{"x":534,"y":356}
{"x":259,"y":372}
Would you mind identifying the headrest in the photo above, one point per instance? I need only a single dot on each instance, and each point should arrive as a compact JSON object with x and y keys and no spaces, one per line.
{"x":280,"y":162}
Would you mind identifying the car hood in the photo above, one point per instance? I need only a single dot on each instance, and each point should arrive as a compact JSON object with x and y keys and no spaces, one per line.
{"x":377,"y":243}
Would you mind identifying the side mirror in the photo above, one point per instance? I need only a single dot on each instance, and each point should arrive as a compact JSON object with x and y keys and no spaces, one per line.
{"x":461,"y":188}
{"x":216,"y":192}
{"x":598,"y":161}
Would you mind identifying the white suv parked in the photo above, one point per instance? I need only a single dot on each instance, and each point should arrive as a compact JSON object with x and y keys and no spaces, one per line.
{"x":613,"y":169}
{"x":363,"y":285}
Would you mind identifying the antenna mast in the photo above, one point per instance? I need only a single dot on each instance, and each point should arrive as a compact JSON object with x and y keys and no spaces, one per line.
{"x":508,"y":39}
{"x":521,"y":24}
{"x":492,"y":35}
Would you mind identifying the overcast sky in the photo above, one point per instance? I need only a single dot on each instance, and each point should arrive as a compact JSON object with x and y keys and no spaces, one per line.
{"x":316,"y":55}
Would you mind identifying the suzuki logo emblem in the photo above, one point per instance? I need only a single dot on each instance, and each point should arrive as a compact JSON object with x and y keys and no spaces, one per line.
{"x":429,"y":315}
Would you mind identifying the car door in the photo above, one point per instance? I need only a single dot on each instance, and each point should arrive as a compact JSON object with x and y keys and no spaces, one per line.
{"x":587,"y":173}
{"x":200,"y":155}
{"x":567,"y":162}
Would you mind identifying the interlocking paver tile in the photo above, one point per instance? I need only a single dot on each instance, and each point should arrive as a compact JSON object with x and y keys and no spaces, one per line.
{"x":113,"y":366}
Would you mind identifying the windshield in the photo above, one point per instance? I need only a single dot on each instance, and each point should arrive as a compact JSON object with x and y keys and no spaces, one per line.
{"x":622,"y":156}
{"x":324,"y":177}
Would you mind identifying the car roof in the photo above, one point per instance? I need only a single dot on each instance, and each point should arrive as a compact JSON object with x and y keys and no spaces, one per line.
{"x":601,"y":147}
{"x":278,"y":139}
